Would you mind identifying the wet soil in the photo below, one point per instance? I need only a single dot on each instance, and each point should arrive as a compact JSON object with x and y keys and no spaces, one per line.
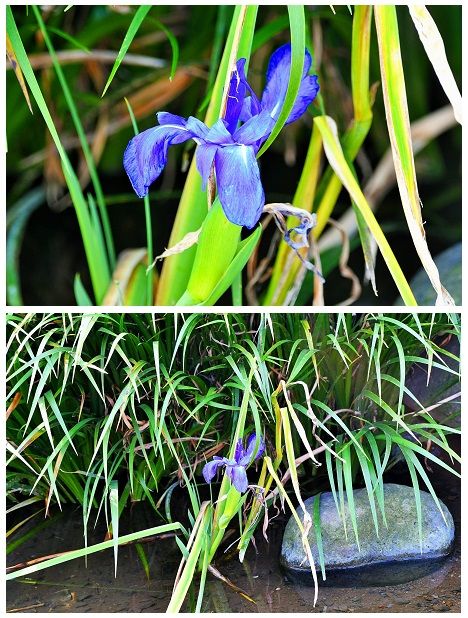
{"x":72,"y":588}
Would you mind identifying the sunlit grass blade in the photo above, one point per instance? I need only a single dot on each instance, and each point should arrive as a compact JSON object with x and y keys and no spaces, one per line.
{"x":81,"y":295}
{"x":368,"y":473}
{"x":318,"y":534}
{"x":377,"y":477}
{"x":417,"y":496}
{"x":67,"y":37}
{"x":172,"y":42}
{"x":348,"y":483}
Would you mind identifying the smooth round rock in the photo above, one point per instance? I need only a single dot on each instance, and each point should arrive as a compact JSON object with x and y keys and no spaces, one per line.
{"x":393,"y":557}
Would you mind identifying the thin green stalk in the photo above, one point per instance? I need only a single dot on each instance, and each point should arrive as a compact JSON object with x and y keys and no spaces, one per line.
{"x":149,"y":227}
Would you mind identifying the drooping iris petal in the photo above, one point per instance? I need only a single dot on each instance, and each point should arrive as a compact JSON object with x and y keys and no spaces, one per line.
{"x":277,"y":84}
{"x":210,"y":469}
{"x":146,"y":154}
{"x":239,"y":187}
{"x":238,"y":477}
{"x":205,"y":157}
{"x":255,"y":129}
{"x":280,"y":62}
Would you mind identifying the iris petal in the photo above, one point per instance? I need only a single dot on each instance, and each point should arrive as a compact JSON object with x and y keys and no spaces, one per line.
{"x":168,"y":118}
{"x":235,"y":99}
{"x":238,"y":88}
{"x":239,"y":187}
{"x":307,"y":92}
{"x":218,"y":134}
{"x":239,"y":452}
{"x":238,"y":477}
{"x":277,"y":81}
{"x":280,"y":63}
{"x":197,"y":127}
{"x":250,"y":450}
{"x":255,"y":129}
{"x":146,"y":154}
{"x":246,"y":111}
{"x":210,"y":469}
{"x":254,"y":102}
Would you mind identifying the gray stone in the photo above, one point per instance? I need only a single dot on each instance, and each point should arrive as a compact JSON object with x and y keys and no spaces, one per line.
{"x":397,"y":544}
{"x":449,"y":264}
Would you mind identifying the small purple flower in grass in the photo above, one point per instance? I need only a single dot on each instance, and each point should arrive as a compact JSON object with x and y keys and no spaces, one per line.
{"x":235,"y":468}
{"x":231,"y":144}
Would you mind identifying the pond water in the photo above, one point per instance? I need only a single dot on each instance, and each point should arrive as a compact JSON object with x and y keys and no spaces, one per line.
{"x":70,"y":587}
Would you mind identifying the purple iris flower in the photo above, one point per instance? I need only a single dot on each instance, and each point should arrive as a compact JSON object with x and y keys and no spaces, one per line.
{"x":235,"y":468}
{"x":231,"y":144}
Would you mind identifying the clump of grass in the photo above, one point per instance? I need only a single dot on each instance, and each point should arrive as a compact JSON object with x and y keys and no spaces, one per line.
{"x":109,"y":409}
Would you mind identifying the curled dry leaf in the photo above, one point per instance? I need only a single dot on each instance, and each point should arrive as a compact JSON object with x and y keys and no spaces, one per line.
{"x":187,"y":241}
